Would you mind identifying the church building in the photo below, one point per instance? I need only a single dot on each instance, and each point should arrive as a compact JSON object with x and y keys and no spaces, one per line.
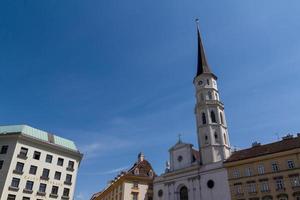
{"x":199,"y":173}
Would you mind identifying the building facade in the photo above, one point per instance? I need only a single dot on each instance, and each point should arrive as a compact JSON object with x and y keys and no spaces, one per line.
{"x":199,"y":173}
{"x":134,"y":184}
{"x":36,"y":165}
{"x":266,"y":172}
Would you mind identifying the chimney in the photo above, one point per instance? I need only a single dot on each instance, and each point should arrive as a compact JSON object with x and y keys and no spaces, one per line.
{"x":256,"y":144}
{"x":287,"y":137}
{"x":141,"y":157}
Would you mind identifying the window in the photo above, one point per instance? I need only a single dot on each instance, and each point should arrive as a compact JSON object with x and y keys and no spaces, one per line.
{"x":134,"y":196}
{"x":49,"y":158}
{"x":213,"y":117}
{"x":216,"y":136}
{"x":217,"y":97}
{"x":207,"y":81}
{"x":225,"y":138}
{"x":57,"y":175}
{"x":275,"y":167}
{"x":29,"y":185}
{"x":251,"y":187}
{"x":221,"y":118}
{"x":202,"y":97}
{"x":42,"y":188}
{"x":54,"y":190}
{"x":60,"y":162}
{"x":135,"y":184}
{"x":45,"y":174}
{"x":36,"y":155}
{"x":15,"y":182}
{"x":66,"y":192}
{"x":261,"y":169}
{"x":4,"y":149}
{"x":23,"y":152}
{"x":71,"y":165}
{"x":291,"y":164}
{"x":183,"y":193}
{"x":25,"y":198}
{"x":136,"y":171}
{"x":203,"y":118}
{"x":1,"y":164}
{"x":264,"y":186}
{"x":11,"y":197}
{"x":279,"y":184}
{"x":236,"y":173}
{"x":295,"y":181}
{"x":19,"y":167}
{"x":68,"y":178}
{"x":248,"y":172}
{"x":209,"y":95}
{"x":238,"y":189}
{"x":33,"y":170}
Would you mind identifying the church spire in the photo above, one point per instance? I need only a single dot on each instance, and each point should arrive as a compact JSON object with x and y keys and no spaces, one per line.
{"x":202,"y":65}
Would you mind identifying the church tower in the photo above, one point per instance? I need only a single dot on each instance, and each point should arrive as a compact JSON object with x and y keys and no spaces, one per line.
{"x":212,"y":130}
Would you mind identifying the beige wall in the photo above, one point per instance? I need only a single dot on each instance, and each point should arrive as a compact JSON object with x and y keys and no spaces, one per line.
{"x":244,"y":182}
{"x":41,"y":164}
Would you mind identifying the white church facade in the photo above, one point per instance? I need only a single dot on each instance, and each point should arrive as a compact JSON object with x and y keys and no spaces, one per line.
{"x":199,"y":174}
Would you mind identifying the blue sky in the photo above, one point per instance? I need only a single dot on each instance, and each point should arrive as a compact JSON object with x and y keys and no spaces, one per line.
{"x":116,"y":76}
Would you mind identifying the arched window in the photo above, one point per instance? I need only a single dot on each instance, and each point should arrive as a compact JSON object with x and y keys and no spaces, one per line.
{"x":203,"y":118}
{"x":217,"y":97}
{"x":209,"y":95}
{"x":213,"y":117}
{"x":221,"y":117}
{"x":225,"y":139}
{"x":184,"y":193}
{"x":216,"y":136}
{"x":207,"y":81}
{"x":136,"y":171}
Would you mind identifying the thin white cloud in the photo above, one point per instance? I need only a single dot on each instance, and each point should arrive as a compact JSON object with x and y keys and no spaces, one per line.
{"x":113,"y":171}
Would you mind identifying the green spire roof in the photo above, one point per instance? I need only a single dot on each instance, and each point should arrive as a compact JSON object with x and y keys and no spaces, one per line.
{"x":39,"y":134}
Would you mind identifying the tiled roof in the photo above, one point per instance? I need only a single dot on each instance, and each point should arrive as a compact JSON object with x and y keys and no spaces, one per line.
{"x":39,"y":134}
{"x":286,"y":144}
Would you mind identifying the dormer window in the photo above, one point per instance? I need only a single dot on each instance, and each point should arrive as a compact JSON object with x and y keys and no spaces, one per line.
{"x":137,"y":171}
{"x":150,"y":173}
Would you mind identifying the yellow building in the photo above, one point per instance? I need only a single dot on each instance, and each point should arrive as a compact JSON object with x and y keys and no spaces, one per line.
{"x":266,"y":172}
{"x":134,"y":184}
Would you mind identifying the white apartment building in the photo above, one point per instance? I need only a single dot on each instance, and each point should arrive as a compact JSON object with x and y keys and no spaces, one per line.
{"x":36,"y":165}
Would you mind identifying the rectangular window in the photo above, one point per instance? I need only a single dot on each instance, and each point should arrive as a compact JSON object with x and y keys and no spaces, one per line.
{"x":279,"y":184}
{"x":60,"y":162}
{"x":25,"y":198}
{"x":49,"y":158}
{"x":275,"y":167}
{"x":11,"y":197}
{"x":19,"y":167}
{"x":69,"y":178}
{"x":33,"y":170}
{"x":15,"y":182}
{"x":295,"y":181}
{"x":264,"y":186}
{"x":36,"y":155}
{"x":134,"y":196}
{"x":66,"y":192}
{"x":236,"y":173}
{"x":71,"y":165}
{"x":251,"y":187}
{"x":57,"y":175}
{"x":1,"y":164}
{"x":29,"y":185}
{"x":4,"y":149}
{"x":248,"y":171}
{"x":45,"y":173}
{"x":291,"y":164}
{"x":23,"y":152}
{"x":42,"y":188}
{"x":261,"y":169}
{"x":54,"y":190}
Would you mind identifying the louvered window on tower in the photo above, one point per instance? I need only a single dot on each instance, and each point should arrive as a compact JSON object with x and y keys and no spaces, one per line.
{"x":213,"y":117}
{"x":203,"y":118}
